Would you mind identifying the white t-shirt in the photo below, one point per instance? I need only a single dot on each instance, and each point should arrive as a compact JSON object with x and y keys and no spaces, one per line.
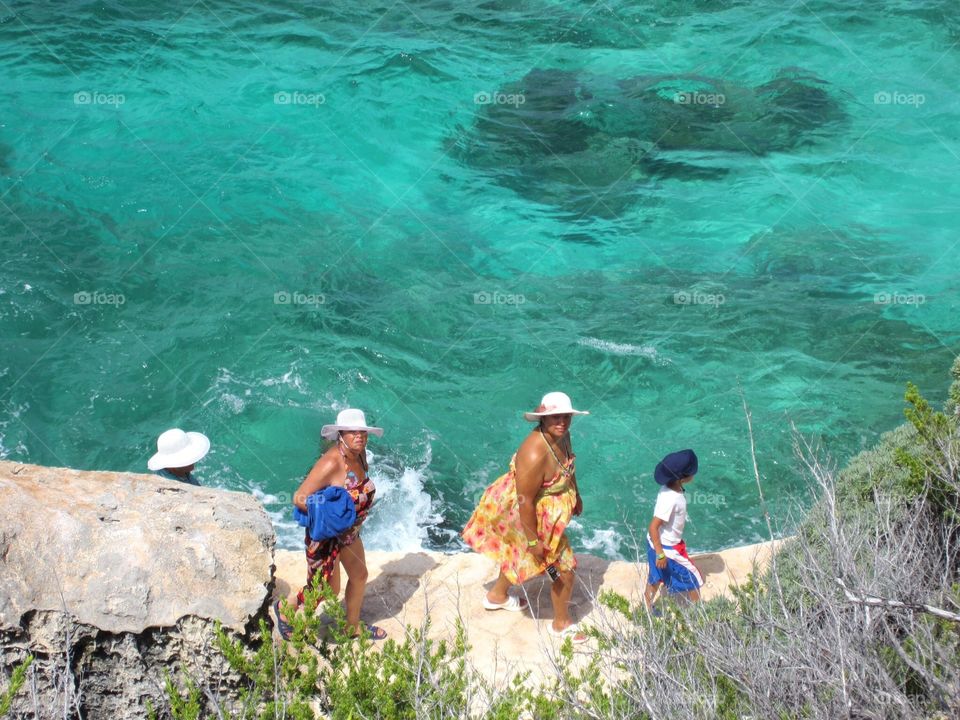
{"x":671,"y":507}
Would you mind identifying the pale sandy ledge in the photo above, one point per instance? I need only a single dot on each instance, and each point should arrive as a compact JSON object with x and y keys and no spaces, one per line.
{"x":404,"y":587}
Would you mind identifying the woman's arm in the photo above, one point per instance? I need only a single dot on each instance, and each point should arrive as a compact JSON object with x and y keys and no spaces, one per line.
{"x":323,"y":472}
{"x":529,"y":479}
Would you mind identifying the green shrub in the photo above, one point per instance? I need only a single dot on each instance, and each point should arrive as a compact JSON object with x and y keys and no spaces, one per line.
{"x":17,"y":679}
{"x":324,"y":668}
{"x":953,"y":401}
{"x":927,"y":461}
{"x":877,"y":470}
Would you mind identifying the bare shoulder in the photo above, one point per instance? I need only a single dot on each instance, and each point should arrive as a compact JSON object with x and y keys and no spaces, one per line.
{"x":532,"y":452}
{"x":327,"y":467}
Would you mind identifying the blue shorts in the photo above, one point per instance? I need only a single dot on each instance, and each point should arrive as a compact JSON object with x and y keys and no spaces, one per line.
{"x":680,"y":574}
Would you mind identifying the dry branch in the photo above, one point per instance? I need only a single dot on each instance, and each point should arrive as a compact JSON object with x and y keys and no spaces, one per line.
{"x":873,"y":601}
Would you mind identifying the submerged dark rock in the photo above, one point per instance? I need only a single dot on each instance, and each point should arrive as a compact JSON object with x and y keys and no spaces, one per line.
{"x":588,"y":143}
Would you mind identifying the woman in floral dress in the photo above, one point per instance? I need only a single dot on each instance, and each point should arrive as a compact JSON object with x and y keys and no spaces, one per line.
{"x":521,"y":518}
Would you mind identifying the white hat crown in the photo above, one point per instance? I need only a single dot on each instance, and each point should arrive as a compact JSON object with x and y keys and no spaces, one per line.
{"x":347,"y":420}
{"x":172,"y":441}
{"x":554,"y":403}
{"x":176,"y":449}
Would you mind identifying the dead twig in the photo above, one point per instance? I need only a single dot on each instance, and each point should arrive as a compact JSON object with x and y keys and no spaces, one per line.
{"x":873,"y":601}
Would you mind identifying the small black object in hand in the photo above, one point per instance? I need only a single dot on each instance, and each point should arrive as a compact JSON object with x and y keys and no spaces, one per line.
{"x":553,"y":572}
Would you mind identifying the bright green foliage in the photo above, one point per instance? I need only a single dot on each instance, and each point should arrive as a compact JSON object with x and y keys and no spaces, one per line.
{"x":323,"y":666}
{"x":731,"y":702}
{"x":416,"y":678}
{"x":16,"y":682}
{"x":908,"y":462}
{"x":517,"y":700}
{"x":877,"y":471}
{"x":936,"y":434}
{"x":615,"y":601}
{"x":953,"y":403}
{"x":183,"y":705}
{"x":746,"y":593}
{"x":283,"y":678}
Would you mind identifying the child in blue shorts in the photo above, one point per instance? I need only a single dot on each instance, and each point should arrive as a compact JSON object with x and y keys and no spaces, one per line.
{"x":670,"y":565}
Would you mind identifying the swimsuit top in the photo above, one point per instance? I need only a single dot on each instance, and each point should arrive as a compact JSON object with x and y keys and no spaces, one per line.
{"x":559,"y":483}
{"x":361,"y":492}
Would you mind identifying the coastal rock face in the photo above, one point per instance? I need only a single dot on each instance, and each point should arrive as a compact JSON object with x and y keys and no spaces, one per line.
{"x":109,"y":579}
{"x":112,"y":581}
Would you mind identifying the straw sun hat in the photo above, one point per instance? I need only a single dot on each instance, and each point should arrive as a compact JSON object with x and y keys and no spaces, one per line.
{"x":349,"y":419}
{"x":554,"y":403}
{"x":177,"y":449}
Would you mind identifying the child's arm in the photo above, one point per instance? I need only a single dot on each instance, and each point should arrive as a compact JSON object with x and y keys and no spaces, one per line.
{"x":654,"y":531}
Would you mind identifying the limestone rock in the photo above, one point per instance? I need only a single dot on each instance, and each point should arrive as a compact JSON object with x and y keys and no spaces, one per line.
{"x":111,"y":578}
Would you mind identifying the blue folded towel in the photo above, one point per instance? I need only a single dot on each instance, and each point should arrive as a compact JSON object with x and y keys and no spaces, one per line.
{"x":330,"y":512}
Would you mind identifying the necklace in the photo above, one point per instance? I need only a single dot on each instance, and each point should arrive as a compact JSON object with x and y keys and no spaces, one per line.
{"x":564,"y":470}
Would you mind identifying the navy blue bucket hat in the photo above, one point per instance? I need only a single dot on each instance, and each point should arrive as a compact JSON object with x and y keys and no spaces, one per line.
{"x":674,"y":466}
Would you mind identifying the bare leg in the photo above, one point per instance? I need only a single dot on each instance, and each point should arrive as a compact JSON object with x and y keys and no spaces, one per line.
{"x":560,"y":592}
{"x":354,"y":561}
{"x":498,"y":593}
{"x":649,"y":594}
{"x":694,"y":595}
{"x":335,"y":580}
{"x":293,"y":598}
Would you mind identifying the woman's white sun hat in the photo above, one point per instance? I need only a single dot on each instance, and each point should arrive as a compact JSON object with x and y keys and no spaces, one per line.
{"x":554,"y":403}
{"x":349,"y":419}
{"x":177,"y":449}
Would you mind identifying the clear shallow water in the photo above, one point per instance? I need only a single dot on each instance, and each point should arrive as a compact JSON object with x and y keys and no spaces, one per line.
{"x":444,"y":268}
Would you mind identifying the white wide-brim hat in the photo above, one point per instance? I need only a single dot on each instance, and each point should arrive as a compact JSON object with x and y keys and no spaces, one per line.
{"x":349,"y":419}
{"x":554,"y":403}
{"x":177,"y":449}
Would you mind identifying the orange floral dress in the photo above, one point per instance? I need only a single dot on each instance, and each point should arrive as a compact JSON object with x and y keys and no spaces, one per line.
{"x":495,"y":530}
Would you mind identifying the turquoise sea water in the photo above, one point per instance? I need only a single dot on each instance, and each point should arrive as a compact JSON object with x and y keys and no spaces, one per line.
{"x":240,"y":217}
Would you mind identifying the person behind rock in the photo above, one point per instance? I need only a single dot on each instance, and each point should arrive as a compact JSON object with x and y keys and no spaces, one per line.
{"x":177,"y":454}
{"x":344,"y":464}
{"x":670,"y":566}
{"x":521,"y":518}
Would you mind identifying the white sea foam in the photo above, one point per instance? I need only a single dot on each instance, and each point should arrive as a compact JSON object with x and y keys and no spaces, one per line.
{"x":403,"y":511}
{"x":602,"y":542}
{"x":232,"y":391}
{"x":613,"y":348}
{"x":13,"y":414}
